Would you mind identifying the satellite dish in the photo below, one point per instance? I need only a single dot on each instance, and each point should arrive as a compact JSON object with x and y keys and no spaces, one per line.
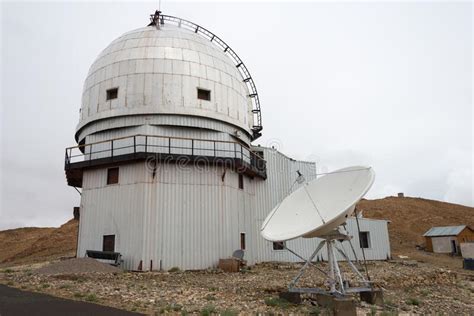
{"x":319,"y":206}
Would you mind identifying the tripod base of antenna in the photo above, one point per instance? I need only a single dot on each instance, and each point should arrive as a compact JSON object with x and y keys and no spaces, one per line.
{"x":337,"y":285}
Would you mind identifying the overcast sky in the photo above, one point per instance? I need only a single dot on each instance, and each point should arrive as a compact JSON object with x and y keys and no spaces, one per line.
{"x":385,"y":84}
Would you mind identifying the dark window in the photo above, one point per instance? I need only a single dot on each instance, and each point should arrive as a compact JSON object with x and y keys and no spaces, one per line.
{"x":364,"y":239}
{"x":242,"y":241}
{"x":112,"y":175}
{"x":280,"y":245}
{"x":112,"y":94}
{"x":241,"y":181}
{"x":204,"y":94}
{"x":108,"y":243}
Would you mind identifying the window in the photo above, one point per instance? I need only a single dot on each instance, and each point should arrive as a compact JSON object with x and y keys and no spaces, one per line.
{"x":241,"y":181}
{"x":279,"y":245}
{"x":112,"y":175}
{"x":204,"y":94}
{"x":242,"y":241}
{"x":364,"y":239}
{"x":108,"y":243}
{"x":112,"y":94}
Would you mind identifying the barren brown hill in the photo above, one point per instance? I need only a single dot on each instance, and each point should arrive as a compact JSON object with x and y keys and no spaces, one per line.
{"x":412,"y":217}
{"x":27,"y":245}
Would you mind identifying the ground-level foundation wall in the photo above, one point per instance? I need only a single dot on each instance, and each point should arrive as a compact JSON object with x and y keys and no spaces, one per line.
{"x":184,"y":216}
{"x":116,"y":209}
{"x":195,"y":216}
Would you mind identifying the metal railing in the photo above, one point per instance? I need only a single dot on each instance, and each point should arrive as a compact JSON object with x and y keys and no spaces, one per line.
{"x":175,"y":146}
{"x":247,"y":78}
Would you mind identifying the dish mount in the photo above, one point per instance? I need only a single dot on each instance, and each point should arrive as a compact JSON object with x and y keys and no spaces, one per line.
{"x":337,"y":284}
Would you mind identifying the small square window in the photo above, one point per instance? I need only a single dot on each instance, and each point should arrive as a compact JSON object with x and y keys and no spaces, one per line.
{"x":280,"y":245}
{"x":364,"y":240}
{"x":112,"y":94}
{"x":204,"y":94}
{"x":241,"y":181}
{"x":112,"y":175}
{"x":108,"y":243}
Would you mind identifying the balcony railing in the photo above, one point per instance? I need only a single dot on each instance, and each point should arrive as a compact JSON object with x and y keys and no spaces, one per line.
{"x":141,"y":146}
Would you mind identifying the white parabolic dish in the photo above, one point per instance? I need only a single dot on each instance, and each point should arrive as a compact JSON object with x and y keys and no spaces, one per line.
{"x":319,"y":206}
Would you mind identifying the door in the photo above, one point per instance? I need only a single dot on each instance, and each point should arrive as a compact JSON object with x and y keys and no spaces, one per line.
{"x":453,"y":246}
{"x":108,"y":243}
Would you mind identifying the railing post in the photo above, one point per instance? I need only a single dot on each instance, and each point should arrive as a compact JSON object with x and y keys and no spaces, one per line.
{"x":146,"y":143}
{"x":90,"y":153}
{"x":241,"y":152}
{"x":134,"y":144}
{"x":215,"y":154}
{"x":112,"y":148}
{"x":169,"y":145}
{"x":192,"y":147}
{"x":235,"y":150}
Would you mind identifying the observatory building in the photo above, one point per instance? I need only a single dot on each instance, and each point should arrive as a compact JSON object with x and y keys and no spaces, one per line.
{"x":165,"y":160}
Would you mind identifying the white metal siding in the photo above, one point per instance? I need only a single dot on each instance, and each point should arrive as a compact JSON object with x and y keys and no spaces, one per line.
{"x":186,"y":216}
{"x":116,"y":209}
{"x":190,"y":216}
{"x":172,"y":121}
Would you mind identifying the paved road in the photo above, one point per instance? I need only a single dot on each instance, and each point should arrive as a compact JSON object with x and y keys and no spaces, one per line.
{"x":14,"y":302}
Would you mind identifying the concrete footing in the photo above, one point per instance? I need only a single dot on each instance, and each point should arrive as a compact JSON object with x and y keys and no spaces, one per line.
{"x":374,"y":297}
{"x":325,"y":300}
{"x":341,"y":306}
{"x":344,"y":306}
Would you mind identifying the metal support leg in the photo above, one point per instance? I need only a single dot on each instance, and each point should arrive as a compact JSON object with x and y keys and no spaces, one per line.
{"x":295,"y":280}
{"x":332,"y":279}
{"x":312,"y":264}
{"x":336,"y":266}
{"x":353,"y":267}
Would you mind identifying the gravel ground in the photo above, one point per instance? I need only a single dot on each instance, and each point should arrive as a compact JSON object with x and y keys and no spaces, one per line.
{"x":410,"y":287}
{"x":77,"y":265}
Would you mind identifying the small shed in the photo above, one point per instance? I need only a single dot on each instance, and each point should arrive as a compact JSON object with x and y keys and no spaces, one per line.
{"x":446,"y":239}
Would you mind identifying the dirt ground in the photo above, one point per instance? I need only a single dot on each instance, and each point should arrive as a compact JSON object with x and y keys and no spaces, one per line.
{"x":410,"y":287}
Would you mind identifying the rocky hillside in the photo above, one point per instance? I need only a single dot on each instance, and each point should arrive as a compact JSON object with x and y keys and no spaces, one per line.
{"x":409,"y":219}
{"x":27,"y":245}
{"x":412,"y":217}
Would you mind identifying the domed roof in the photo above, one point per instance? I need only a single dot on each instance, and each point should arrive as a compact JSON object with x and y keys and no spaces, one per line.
{"x":166,"y":71}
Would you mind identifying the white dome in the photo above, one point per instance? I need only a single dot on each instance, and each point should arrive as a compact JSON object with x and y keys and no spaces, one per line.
{"x":159,"y":71}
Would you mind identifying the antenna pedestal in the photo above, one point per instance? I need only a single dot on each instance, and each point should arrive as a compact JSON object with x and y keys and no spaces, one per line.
{"x":337,"y":284}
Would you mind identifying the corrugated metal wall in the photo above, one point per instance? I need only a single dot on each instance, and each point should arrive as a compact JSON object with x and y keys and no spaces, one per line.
{"x":185,"y":216}
{"x":116,"y":209}
{"x":176,"y":122}
{"x":190,"y":216}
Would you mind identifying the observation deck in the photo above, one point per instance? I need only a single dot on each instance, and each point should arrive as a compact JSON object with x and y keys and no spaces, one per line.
{"x":162,"y":149}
